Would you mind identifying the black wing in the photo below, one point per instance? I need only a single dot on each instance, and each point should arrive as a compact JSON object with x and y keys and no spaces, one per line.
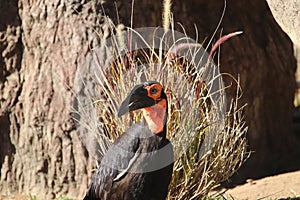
{"x":115,"y":163}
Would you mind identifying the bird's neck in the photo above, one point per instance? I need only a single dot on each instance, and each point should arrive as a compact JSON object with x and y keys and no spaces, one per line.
{"x":155,"y":116}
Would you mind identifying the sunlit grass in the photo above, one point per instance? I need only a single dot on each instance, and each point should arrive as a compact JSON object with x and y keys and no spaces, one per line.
{"x":208,"y":138}
{"x":209,"y":146}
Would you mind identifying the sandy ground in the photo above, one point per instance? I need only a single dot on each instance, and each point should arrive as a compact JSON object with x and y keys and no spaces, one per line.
{"x":15,"y":197}
{"x":285,"y":185}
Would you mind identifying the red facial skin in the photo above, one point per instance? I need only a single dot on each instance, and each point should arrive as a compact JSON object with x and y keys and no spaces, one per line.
{"x":155,"y":114}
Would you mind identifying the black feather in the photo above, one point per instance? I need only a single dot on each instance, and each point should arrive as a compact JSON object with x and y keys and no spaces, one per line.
{"x":148,"y":159}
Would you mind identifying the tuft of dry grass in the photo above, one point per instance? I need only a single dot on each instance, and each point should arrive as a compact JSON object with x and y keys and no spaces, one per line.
{"x":208,"y":139}
{"x":195,"y":177}
{"x":209,"y":142}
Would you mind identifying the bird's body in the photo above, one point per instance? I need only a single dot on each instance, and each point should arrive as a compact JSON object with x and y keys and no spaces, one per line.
{"x":138,"y":166}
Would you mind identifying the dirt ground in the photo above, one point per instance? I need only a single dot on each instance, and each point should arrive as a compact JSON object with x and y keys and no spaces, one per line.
{"x":283,"y":186}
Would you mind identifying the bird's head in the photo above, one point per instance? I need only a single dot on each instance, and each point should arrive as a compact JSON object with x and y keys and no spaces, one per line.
{"x":151,"y":98}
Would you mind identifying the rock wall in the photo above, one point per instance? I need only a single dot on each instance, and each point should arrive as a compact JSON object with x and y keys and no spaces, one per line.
{"x":287,"y":14}
{"x":42,"y":45}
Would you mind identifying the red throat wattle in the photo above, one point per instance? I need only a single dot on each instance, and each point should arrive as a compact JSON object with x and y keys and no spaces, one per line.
{"x":155,"y":116}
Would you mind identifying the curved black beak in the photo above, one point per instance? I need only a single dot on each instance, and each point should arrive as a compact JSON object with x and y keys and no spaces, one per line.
{"x":137,"y":99}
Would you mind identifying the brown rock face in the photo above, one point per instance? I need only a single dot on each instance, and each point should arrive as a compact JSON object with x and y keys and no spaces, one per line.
{"x":41,"y":152}
{"x":10,"y":83}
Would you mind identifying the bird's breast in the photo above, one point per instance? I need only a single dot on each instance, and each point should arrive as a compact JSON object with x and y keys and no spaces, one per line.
{"x":155,"y":116}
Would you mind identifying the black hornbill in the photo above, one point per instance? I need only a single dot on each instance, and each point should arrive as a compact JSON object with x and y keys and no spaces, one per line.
{"x":139,"y":164}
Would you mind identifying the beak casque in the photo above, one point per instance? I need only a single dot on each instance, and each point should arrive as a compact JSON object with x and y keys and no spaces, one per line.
{"x":137,"y":99}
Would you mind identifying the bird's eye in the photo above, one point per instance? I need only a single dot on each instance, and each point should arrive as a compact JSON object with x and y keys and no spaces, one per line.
{"x":153,"y":90}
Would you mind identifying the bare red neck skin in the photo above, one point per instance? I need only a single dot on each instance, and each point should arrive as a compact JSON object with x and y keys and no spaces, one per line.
{"x":155,"y":116}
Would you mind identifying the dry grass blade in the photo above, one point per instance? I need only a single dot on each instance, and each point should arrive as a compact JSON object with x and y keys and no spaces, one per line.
{"x":225,"y":158}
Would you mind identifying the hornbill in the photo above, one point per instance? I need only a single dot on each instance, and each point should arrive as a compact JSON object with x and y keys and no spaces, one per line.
{"x":139,"y":164}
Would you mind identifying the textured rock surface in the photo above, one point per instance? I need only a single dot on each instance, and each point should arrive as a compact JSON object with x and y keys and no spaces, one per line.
{"x":10,"y":85}
{"x":287,"y":14}
{"x":41,"y":152}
